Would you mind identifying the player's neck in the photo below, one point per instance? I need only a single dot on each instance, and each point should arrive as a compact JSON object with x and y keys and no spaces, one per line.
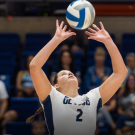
{"x":73,"y":95}
{"x":71,"y":92}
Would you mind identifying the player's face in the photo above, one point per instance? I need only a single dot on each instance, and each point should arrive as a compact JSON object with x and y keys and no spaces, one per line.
{"x":65,"y":77}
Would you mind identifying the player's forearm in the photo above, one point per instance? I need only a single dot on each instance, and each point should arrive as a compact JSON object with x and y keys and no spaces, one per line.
{"x":117,"y":61}
{"x":42,"y":56}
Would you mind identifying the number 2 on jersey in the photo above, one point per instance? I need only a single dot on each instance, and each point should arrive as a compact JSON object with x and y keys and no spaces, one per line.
{"x":79,"y":115}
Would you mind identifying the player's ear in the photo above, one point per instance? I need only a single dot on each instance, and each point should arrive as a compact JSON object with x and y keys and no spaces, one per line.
{"x":56,"y":86}
{"x":78,"y":88}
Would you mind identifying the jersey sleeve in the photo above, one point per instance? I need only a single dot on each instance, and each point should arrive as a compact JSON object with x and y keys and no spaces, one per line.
{"x":95,"y":96}
{"x":52,"y":96}
{"x":54,"y":93}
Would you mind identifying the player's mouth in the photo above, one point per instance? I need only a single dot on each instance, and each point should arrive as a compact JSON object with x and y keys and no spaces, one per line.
{"x":71,"y":76}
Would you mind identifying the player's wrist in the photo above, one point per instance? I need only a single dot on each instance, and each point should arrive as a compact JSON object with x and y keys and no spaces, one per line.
{"x":107,"y":40}
{"x":57,"y":39}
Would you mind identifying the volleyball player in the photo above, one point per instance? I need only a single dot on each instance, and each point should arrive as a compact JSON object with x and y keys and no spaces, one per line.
{"x":66,"y":112}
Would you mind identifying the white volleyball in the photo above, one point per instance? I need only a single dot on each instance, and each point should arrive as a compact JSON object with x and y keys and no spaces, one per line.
{"x":80,"y":14}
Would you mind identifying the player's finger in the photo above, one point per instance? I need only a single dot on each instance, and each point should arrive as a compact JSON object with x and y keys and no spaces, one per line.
{"x":102,"y":26}
{"x":89,"y":34}
{"x":57,"y":23}
{"x":65,"y":27}
{"x":95,"y":27}
{"x":72,"y":33}
{"x":69,"y":30}
{"x":91,"y":37}
{"x":61,"y":25}
{"x":91,"y":30}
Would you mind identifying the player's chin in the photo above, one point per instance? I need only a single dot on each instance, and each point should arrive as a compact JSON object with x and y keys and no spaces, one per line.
{"x":72,"y":79}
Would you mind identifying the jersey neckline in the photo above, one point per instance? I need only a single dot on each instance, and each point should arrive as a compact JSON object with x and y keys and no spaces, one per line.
{"x":69,"y":96}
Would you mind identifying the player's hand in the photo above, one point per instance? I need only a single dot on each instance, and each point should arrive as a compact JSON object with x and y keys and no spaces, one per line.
{"x":61,"y":32}
{"x":100,"y":35}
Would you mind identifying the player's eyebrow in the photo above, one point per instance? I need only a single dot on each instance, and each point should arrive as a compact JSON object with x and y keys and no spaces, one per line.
{"x":61,"y":72}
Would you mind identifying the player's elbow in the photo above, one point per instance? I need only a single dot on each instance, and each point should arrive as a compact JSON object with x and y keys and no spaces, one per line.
{"x":123,"y":73}
{"x":32,"y":66}
{"x":126,"y":71}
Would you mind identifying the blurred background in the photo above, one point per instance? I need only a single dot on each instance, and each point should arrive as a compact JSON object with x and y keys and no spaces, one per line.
{"x":27,"y":25}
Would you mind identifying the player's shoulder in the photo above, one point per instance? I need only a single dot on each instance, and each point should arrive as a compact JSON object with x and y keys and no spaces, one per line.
{"x":94,"y":93}
{"x":55,"y":93}
{"x":53,"y":90}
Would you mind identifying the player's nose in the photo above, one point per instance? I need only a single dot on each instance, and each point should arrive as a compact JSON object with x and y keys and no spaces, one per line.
{"x":70,"y":73}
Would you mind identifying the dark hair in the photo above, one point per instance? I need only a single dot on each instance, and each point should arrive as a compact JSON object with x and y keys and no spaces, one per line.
{"x":25,"y":62}
{"x":126,"y":91}
{"x":55,"y":79}
{"x":60,"y":62}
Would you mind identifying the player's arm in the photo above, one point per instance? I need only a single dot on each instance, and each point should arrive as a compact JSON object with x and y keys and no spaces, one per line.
{"x":111,"y":85}
{"x":40,"y":80}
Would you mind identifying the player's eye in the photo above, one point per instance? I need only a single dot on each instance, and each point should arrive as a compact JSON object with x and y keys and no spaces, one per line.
{"x":63,"y":74}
